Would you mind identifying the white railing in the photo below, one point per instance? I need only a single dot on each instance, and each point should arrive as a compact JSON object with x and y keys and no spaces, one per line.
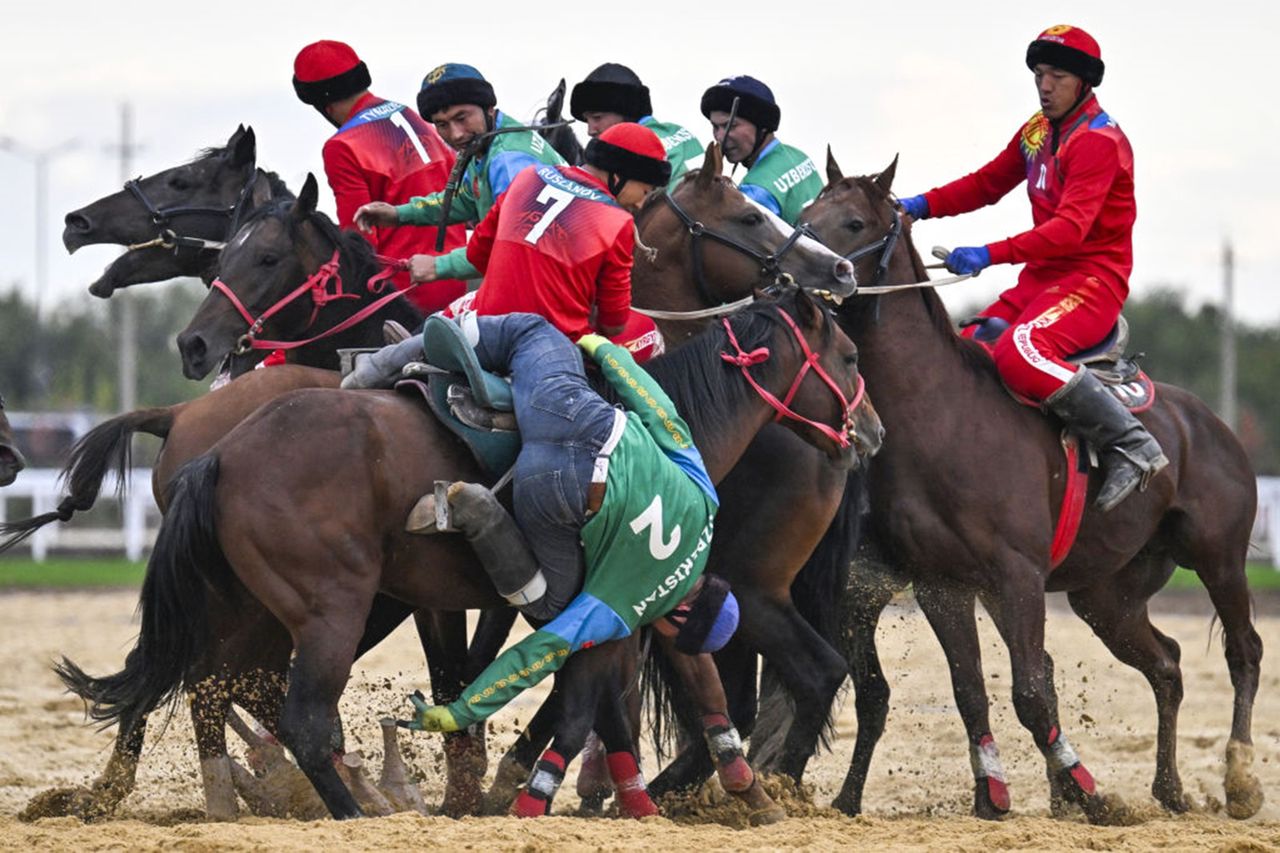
{"x":134,"y":534}
{"x":1266,"y":525}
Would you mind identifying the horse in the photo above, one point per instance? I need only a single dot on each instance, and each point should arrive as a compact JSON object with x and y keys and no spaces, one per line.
{"x":258,"y":507}
{"x":11,"y":460}
{"x":552,"y":125}
{"x":173,"y":222}
{"x":944,"y":524}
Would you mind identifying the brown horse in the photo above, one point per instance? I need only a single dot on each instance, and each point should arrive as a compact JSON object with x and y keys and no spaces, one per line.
{"x":11,"y":461}
{"x":963,"y":501}
{"x":257,"y":505}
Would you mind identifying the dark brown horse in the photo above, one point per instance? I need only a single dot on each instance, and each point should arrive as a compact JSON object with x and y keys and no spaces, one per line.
{"x":963,"y":502}
{"x":11,"y":461}
{"x":256,"y":505}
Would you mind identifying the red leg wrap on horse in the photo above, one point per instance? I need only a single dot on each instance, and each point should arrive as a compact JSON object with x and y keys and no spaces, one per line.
{"x":725,"y":747}
{"x":633,"y":795}
{"x":536,"y":797}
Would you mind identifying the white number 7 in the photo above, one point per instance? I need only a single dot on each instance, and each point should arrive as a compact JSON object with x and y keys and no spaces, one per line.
{"x":398,"y":119}
{"x":559,"y":201}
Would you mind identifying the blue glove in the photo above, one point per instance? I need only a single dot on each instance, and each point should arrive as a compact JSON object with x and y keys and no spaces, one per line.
{"x":968,"y":260}
{"x":916,"y":207}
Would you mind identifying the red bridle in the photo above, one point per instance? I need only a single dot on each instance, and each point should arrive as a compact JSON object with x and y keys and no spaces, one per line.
{"x":317,"y":285}
{"x":745,"y":360}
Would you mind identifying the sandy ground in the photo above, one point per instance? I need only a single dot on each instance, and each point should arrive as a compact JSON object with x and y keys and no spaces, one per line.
{"x":918,"y":795}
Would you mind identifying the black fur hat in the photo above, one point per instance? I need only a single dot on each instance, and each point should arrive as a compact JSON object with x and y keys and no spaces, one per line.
{"x":611,"y":88}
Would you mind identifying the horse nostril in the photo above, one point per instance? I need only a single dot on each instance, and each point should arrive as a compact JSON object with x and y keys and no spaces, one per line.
{"x":844,"y":272}
{"x":79,"y":223}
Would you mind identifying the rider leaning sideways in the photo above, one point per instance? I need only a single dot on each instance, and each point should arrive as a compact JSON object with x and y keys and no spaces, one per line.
{"x":461,"y":104}
{"x":1079,"y":172}
{"x":382,"y":151}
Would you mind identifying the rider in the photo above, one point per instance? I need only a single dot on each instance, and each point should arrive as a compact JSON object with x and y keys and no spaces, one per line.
{"x":612,"y":94}
{"x":1079,"y":172}
{"x":462,"y":105}
{"x":559,"y":243}
{"x":382,"y":151}
{"x":780,"y":177}
{"x":615,"y":514}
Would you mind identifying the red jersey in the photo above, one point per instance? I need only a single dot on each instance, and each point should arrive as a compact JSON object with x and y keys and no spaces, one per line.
{"x":1079,"y":174}
{"x":556,"y":243}
{"x":386,"y":152}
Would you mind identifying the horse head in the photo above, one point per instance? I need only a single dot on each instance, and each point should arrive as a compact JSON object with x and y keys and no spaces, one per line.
{"x":11,"y":461}
{"x":706,"y":231}
{"x":167,"y":217}
{"x":562,"y":139}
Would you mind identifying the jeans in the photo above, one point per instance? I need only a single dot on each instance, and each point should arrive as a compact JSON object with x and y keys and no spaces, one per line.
{"x":563,"y":426}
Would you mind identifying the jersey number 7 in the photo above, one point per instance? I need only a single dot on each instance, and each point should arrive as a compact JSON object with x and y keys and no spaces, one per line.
{"x":559,"y":201}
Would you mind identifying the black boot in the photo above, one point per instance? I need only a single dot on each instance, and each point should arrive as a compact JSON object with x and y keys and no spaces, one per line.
{"x":1130,"y":454}
{"x":382,"y":368}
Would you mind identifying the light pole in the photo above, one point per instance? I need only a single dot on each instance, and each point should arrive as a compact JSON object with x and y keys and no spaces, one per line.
{"x":40,"y":158}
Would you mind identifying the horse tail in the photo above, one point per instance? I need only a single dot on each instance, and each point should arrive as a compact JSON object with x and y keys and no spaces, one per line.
{"x":173,"y":605}
{"x":665,"y":702}
{"x":107,"y":447}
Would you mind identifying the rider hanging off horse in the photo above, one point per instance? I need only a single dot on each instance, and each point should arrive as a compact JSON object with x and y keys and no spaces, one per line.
{"x":1078,"y":166}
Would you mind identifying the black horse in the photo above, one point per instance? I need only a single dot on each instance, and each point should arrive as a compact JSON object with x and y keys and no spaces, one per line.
{"x":11,"y":461}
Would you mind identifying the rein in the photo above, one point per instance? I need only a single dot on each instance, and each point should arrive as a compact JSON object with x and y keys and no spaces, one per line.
{"x":745,"y":360}
{"x":168,"y":238}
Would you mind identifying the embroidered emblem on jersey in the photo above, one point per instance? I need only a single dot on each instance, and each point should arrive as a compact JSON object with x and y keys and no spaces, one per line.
{"x":1034,"y":133}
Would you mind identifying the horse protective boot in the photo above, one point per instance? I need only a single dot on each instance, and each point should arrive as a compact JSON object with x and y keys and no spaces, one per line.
{"x":474,"y":511}
{"x":1130,"y":454}
{"x":383,"y":367}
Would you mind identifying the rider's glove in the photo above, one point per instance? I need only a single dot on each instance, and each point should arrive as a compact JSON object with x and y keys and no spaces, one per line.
{"x":428,"y":718}
{"x":968,"y":260}
{"x":916,"y":207}
{"x":592,"y":342}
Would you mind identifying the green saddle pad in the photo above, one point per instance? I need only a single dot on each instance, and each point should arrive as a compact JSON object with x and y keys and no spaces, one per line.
{"x":446,"y":347}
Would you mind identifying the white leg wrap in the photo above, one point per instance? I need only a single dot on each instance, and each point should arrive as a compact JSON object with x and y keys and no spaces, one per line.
{"x":1060,"y":754}
{"x":985,"y":760}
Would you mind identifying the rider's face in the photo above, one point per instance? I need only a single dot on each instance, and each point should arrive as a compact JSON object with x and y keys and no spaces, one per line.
{"x":460,"y":123}
{"x":599,"y":122}
{"x":1058,"y":90}
{"x":632,"y":194}
{"x":740,"y":140}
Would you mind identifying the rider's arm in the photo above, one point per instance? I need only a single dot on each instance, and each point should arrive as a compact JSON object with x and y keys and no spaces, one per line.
{"x":1090,"y":164}
{"x":986,"y":186}
{"x":349,"y":184}
{"x":428,"y":209}
{"x":761,"y":195}
{"x":587,"y":621}
{"x":455,"y":264}
{"x":613,"y":282}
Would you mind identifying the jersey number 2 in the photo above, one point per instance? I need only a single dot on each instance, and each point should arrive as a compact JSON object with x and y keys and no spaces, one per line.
{"x":401,"y":122}
{"x":559,"y":201}
{"x":652,"y":519}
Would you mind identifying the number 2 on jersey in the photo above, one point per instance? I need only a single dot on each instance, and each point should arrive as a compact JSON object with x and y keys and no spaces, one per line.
{"x":398,"y":119}
{"x":559,"y":201}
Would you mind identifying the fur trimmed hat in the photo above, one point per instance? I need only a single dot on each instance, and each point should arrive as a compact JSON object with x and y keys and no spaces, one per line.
{"x":1071,"y":49}
{"x":328,"y":71}
{"x":632,"y":152}
{"x":453,"y":83}
{"x":611,"y":88}
{"x":755,"y":101}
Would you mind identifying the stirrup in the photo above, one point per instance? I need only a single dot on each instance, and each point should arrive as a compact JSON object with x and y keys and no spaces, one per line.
{"x":431,"y":513}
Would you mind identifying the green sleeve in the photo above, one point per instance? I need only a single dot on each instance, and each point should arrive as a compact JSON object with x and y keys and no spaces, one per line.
{"x":639,"y":393}
{"x":426,"y":209}
{"x":455,"y":265}
{"x":515,"y":670}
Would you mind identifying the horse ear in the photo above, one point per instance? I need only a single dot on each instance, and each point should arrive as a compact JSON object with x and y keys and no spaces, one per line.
{"x":244,"y":150}
{"x":712,"y":166}
{"x":306,"y":203}
{"x":884,"y":180}
{"x":834,"y":175}
{"x":555,"y":103}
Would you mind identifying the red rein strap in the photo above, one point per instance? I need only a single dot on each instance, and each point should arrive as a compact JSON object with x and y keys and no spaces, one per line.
{"x":318,"y":286}
{"x":745,"y":360}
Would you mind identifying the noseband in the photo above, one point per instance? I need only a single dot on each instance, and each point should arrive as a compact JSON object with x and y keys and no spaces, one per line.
{"x":162,"y":217}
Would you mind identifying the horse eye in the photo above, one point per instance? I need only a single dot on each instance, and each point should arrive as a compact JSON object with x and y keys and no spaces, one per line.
{"x":268,"y":260}
{"x":855,"y":225}
{"x":851,"y":360}
{"x":753,"y":218}
{"x":179,"y":183}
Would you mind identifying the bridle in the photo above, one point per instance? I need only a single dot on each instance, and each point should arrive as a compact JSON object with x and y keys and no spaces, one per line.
{"x":885,"y":246}
{"x":744,"y":360}
{"x":161,"y":217}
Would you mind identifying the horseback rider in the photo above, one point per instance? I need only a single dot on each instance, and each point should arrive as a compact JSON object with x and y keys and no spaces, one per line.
{"x":382,"y":151}
{"x":1079,"y":172}
{"x":612,"y":94}
{"x":744,"y":117}
{"x":559,"y":243}
{"x":461,"y":104}
{"x":592,"y":485}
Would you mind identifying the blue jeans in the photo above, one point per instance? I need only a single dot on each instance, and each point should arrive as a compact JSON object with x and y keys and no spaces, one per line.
{"x":564,"y":424}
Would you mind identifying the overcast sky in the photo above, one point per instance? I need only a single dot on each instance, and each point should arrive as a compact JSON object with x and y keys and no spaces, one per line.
{"x":941,"y":83}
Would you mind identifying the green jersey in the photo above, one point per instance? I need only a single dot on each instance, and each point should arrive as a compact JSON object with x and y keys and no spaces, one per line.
{"x":783,"y":179}
{"x":680,"y":143}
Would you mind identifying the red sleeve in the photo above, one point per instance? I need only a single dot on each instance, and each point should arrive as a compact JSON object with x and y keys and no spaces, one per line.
{"x":1089,"y":166}
{"x":480,"y":246}
{"x":350,"y":188}
{"x":986,"y":186}
{"x":613,"y":283}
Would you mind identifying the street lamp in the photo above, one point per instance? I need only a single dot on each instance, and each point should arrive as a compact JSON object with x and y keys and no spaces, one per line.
{"x":40,"y":158}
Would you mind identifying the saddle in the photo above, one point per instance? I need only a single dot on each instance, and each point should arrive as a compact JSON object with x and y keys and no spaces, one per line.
{"x":1120,"y":373}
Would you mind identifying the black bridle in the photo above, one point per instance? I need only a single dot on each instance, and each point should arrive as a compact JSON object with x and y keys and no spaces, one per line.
{"x":770,"y":264}
{"x":885,"y":246}
{"x":162,"y":217}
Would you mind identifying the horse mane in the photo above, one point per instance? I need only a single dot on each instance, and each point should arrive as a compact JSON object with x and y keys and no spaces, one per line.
{"x":357,"y":261}
{"x":277,"y":184}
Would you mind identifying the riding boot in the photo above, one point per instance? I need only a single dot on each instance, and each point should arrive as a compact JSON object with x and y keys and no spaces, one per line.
{"x":381,"y":368}
{"x":1131,"y":455}
{"x":494,"y":536}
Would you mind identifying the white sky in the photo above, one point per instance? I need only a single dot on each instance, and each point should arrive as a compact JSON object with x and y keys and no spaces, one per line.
{"x":943,"y":83}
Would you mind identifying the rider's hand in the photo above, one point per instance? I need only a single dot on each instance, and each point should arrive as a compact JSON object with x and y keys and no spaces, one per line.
{"x":428,"y":718}
{"x":591,"y":342}
{"x":422,"y":268}
{"x":376,"y":214}
{"x":968,"y":260}
{"x":916,"y":207}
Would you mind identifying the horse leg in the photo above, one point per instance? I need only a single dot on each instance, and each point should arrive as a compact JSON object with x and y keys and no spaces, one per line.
{"x":519,"y":760}
{"x":105,"y":794}
{"x":950,"y":613}
{"x":210,"y":701}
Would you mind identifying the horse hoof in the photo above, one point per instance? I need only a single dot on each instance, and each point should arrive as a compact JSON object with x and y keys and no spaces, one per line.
{"x":64,"y":802}
{"x":764,"y":817}
{"x":506,"y":785}
{"x":1108,"y":810}
{"x":1172,"y":799}
{"x":847,"y":805}
{"x":990,"y":799}
{"x":1244,"y":792}
{"x":592,"y":805}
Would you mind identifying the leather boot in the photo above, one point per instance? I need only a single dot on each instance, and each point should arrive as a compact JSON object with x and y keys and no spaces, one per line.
{"x":1130,"y":454}
{"x":381,"y":369}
